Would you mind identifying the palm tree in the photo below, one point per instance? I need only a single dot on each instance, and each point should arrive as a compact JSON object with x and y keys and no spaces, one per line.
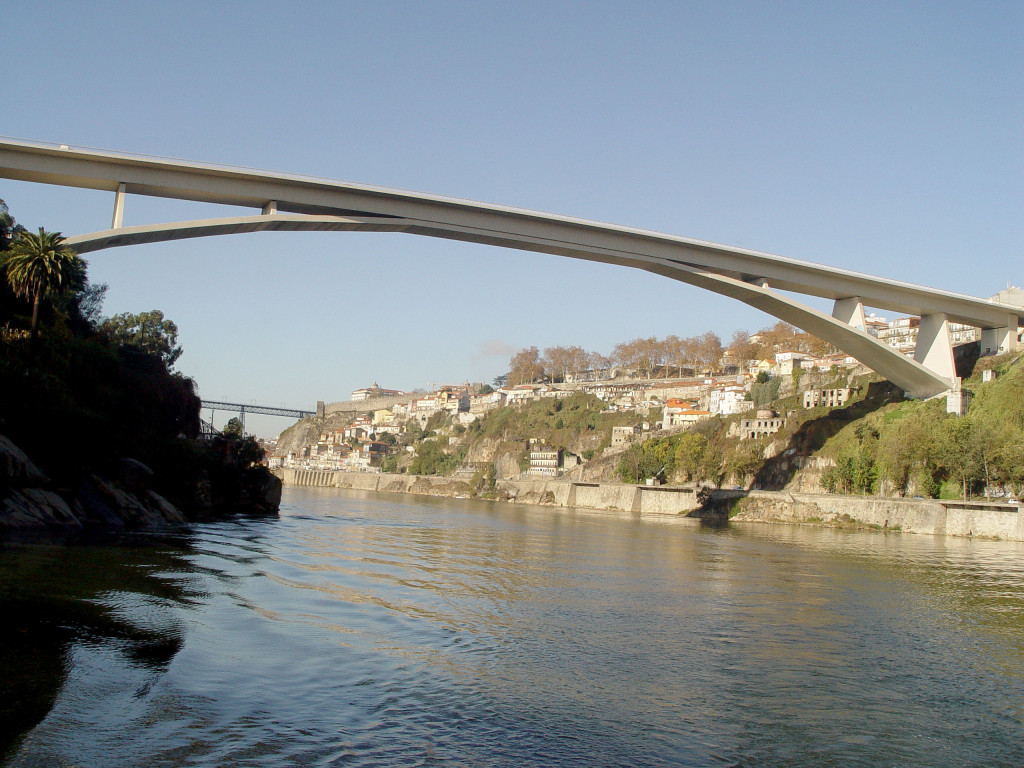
{"x":40,"y":266}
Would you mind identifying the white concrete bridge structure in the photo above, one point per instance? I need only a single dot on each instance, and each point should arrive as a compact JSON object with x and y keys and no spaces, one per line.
{"x":299,"y":203}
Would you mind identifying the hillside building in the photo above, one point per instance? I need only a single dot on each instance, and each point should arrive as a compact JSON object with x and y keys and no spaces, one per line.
{"x":764,"y":423}
{"x":624,"y":435}
{"x":831,"y":398}
{"x":374,"y":391}
{"x":545,"y":461}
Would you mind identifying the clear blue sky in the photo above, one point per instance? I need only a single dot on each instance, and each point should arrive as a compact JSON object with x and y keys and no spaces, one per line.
{"x":884,"y":137}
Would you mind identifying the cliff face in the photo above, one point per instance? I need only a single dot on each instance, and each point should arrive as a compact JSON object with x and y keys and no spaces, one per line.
{"x":308,"y":430}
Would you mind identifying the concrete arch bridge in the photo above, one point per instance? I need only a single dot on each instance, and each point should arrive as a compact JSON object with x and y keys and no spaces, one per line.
{"x":299,"y":203}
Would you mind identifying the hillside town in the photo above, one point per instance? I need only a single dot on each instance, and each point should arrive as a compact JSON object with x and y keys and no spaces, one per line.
{"x":659,"y":387}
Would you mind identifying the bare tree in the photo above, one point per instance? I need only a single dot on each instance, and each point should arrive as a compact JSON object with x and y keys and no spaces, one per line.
{"x":525,"y":366}
{"x":709,"y":350}
{"x":742,"y":349}
{"x":553,"y":361}
{"x":576,"y":362}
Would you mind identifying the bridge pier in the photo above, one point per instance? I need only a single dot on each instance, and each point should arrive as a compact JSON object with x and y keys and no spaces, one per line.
{"x":996,"y":341}
{"x":935,"y":347}
{"x":850,"y":311}
{"x":118,"y":207}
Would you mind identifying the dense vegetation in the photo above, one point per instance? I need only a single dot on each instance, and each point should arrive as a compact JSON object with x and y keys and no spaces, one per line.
{"x":82,"y":393}
{"x":562,"y":423}
{"x":915,"y":447}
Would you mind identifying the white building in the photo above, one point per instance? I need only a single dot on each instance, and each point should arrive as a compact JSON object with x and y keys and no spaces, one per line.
{"x":544,"y":460}
{"x":373,"y":391}
{"x":787,"y":361}
{"x":682,"y":414}
{"x":483,"y":403}
{"x":901,"y":334}
{"x":726,"y":401}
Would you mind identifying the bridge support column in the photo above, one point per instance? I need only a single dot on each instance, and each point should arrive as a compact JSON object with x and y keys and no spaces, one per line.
{"x":996,"y":341}
{"x":850,"y":311}
{"x":270,"y":208}
{"x":934,"y":347}
{"x":118,"y":207}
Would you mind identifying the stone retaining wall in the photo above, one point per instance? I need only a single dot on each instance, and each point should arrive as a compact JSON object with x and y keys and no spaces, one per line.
{"x":911,"y":515}
{"x":609,"y":496}
{"x":606,"y":496}
{"x":941,"y":518}
{"x":370,"y":404}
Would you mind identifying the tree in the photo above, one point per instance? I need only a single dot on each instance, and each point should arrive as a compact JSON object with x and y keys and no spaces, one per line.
{"x":655,"y":458}
{"x":525,"y":366}
{"x":690,"y":455}
{"x":764,"y":393}
{"x":147,"y":332}
{"x":598,"y":362}
{"x":675,"y":352}
{"x":641,"y":354}
{"x":746,"y":459}
{"x":89,"y":302}
{"x":234,"y":427}
{"x":709,"y":350}
{"x":556,"y":362}
{"x":9,"y":229}
{"x":41,"y":266}
{"x":742,"y":349}
{"x":961,"y":453}
{"x":578,"y":360}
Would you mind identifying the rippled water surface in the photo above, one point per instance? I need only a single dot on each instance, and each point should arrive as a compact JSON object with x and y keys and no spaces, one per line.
{"x":393,"y":630}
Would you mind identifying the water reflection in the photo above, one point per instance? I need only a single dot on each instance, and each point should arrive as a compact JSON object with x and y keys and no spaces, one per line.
{"x":120,"y":594}
{"x":371,"y":630}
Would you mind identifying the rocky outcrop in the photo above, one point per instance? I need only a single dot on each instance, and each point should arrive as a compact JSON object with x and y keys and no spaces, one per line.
{"x":261,"y":494}
{"x":35,"y":507}
{"x":31,"y":500}
{"x":16,"y":468}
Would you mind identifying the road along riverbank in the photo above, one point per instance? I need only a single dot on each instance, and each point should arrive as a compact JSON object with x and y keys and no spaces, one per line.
{"x":930,"y":516}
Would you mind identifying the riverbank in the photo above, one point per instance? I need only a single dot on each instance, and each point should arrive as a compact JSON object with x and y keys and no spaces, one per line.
{"x":928,"y":516}
{"x":203,"y":481}
{"x":664,"y":500}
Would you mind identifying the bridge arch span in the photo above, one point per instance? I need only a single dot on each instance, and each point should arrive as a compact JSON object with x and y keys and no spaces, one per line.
{"x":296,"y":203}
{"x":908,"y":374}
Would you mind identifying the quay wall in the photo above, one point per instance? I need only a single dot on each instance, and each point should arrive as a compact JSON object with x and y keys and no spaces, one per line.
{"x":666,"y":501}
{"x":606,"y":496}
{"x":305,"y":477}
{"x":561,"y":493}
{"x":932,"y":516}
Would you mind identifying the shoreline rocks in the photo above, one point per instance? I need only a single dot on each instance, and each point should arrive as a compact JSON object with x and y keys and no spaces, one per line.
{"x":30,"y":500}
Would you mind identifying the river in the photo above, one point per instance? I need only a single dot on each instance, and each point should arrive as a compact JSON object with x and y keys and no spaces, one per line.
{"x":377,"y":630}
